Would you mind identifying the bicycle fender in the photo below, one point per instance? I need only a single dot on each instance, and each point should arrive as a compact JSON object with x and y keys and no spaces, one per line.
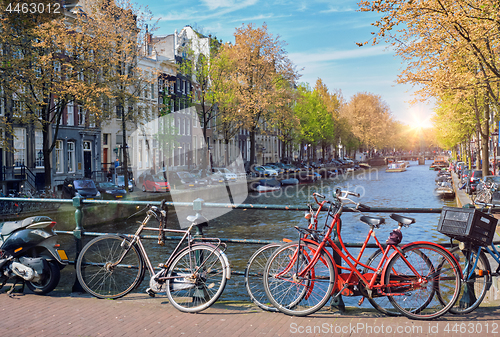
{"x":382,"y":277}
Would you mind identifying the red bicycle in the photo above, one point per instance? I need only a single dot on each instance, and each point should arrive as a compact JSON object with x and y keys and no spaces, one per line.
{"x":421,"y":279}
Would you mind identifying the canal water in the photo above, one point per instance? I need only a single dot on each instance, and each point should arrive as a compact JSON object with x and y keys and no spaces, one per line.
{"x":413,"y":188}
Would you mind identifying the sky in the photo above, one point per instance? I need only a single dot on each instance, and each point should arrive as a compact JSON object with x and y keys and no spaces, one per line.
{"x":321,"y":38}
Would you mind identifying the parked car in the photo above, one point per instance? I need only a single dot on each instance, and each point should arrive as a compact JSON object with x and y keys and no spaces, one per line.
{"x":228,"y":175}
{"x":155,"y":183}
{"x":292,"y":168}
{"x":110,"y":191}
{"x":262,"y":171}
{"x":212,"y":178}
{"x":472,"y":180}
{"x":120,"y":181}
{"x":186,"y":179}
{"x":80,"y":187}
{"x":459,"y":166}
{"x":274,"y":167}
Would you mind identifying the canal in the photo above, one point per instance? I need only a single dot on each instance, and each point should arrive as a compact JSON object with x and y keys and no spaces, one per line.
{"x":412,"y":188}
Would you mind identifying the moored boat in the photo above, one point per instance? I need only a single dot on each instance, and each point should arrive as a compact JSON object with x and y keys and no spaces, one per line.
{"x":266,"y":185}
{"x":445,"y":191}
{"x":396,"y":167}
{"x":291,"y":181}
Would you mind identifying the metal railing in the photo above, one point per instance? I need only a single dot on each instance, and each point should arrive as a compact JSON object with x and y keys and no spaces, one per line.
{"x":197,"y":206}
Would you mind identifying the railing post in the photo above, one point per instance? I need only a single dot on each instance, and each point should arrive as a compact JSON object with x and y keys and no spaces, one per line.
{"x":197,"y":207}
{"x":337,"y":302}
{"x":78,"y":233}
{"x":199,"y":292}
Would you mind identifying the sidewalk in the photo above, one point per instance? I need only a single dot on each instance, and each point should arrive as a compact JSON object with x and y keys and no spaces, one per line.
{"x":64,"y":314}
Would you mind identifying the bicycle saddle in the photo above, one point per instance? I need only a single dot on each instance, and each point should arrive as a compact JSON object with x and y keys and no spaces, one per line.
{"x":198,"y":219}
{"x":402,"y":219}
{"x":372,"y":220}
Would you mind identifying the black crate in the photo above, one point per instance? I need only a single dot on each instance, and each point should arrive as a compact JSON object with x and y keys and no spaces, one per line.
{"x":467,"y":224}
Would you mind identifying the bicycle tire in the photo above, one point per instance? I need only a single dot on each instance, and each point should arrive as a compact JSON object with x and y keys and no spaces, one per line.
{"x":475,"y":285}
{"x":442,"y":277}
{"x":288,"y":293}
{"x":98,"y":278}
{"x":381,"y":303}
{"x":196,"y":290}
{"x":254,"y":276}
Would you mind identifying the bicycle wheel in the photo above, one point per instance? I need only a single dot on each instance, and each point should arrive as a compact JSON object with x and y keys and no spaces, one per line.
{"x":476,"y":280}
{"x":437,"y":272}
{"x":381,"y":303}
{"x":97,"y":272}
{"x":200,"y":277}
{"x":293,"y":294}
{"x":254,"y":276}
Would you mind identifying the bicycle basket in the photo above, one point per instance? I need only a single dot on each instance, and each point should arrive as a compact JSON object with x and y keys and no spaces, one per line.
{"x":467,"y":224}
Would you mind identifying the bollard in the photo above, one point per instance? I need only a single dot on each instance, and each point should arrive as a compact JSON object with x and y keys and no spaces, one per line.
{"x":78,"y":234}
{"x":197,"y":207}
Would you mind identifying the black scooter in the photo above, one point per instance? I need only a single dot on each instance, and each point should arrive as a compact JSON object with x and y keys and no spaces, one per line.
{"x":29,"y":252}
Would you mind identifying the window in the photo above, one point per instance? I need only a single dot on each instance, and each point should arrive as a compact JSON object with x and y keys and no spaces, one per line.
{"x":183,"y":86}
{"x":152,"y":91}
{"x":188,"y":127}
{"x":2,"y":107}
{"x":183,"y":127}
{"x":70,"y":114}
{"x":59,"y":156}
{"x":39,"y":149}
{"x":81,"y":116}
{"x":19,"y":146}
{"x":195,"y":119}
{"x":178,"y":84}
{"x":71,"y":157}
{"x":177,"y":126}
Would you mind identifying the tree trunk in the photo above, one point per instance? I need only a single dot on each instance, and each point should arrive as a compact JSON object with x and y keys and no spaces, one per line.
{"x":125,"y":157}
{"x":252,"y":148}
{"x":485,"y":136}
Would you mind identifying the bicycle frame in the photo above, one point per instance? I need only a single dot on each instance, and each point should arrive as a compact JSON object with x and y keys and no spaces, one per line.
{"x":136,"y":240}
{"x":354,"y":277}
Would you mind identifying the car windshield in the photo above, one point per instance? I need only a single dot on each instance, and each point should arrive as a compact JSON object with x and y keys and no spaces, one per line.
{"x":492,"y":179}
{"x":107,"y":185}
{"x":184,"y":175}
{"x":225,"y":170}
{"x":84,"y":184}
{"x":159,"y":177}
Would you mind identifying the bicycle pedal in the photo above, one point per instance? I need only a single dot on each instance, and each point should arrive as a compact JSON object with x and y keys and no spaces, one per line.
{"x":361,"y":301}
{"x":150,"y":292}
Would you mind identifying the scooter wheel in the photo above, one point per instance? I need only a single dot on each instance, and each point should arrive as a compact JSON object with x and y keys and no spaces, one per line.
{"x":49,"y":282}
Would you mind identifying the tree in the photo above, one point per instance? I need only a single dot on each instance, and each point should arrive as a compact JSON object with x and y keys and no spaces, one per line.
{"x":260,"y":70}
{"x":370,"y":119}
{"x":54,"y":61}
{"x":201,"y":66}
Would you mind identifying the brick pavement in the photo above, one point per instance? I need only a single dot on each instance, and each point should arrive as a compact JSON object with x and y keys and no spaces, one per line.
{"x":65,"y":314}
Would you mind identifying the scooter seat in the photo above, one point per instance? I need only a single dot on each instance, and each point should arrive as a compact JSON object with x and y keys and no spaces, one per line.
{"x":10,"y":226}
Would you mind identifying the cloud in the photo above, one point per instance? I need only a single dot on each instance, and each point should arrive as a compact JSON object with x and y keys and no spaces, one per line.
{"x":334,"y":55}
{"x":225,"y":6}
{"x":337,"y":10}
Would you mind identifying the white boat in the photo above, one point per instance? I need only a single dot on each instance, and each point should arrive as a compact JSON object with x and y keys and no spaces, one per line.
{"x":266,"y":185}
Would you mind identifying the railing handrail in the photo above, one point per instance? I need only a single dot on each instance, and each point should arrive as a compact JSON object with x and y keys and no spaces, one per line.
{"x":229,"y":205}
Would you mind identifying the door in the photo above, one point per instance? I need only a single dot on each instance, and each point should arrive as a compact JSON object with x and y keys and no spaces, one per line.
{"x":87,"y":159}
